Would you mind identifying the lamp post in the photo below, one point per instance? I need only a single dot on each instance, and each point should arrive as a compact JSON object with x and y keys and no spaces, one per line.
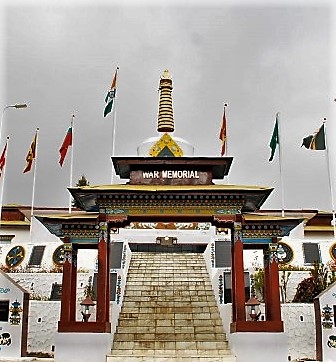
{"x":17,"y":106}
{"x":254,"y":311}
{"x":86,"y":304}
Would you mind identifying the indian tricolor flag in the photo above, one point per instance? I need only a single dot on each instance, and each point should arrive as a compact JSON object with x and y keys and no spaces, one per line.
{"x":109,"y":99}
{"x":67,"y":142}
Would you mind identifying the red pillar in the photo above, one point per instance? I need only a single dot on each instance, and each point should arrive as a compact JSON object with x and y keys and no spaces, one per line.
{"x":108,"y":280}
{"x":233,"y":278}
{"x":66,"y":285}
{"x":103,"y":273}
{"x":274,"y":276}
{"x":73,"y":296}
{"x":272,"y":292}
{"x":237,"y":278}
{"x":267,"y":287}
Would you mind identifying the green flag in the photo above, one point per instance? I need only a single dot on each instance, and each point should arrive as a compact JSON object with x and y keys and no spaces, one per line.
{"x":275,"y":138}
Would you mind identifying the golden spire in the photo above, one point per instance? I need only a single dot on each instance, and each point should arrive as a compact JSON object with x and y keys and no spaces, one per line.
{"x":165,"y":116}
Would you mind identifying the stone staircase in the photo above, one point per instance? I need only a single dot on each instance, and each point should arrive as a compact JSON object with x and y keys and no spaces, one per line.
{"x":169,"y":312}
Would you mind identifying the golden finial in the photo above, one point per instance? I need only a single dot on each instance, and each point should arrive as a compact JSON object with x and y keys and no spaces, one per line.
{"x":165,"y":116}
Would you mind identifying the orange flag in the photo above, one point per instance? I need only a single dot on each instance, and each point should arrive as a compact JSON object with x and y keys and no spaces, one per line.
{"x":31,"y":154}
{"x":222,"y":134}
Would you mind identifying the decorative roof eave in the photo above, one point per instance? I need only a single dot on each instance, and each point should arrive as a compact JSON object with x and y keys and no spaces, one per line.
{"x":318,"y":228}
{"x":282,"y":226}
{"x":15,"y":224}
{"x":254,"y":196}
{"x":54,"y":222}
{"x":261,"y":226}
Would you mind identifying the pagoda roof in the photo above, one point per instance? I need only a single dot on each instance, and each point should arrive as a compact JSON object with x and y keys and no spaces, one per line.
{"x":254,"y":196}
{"x":54,"y":222}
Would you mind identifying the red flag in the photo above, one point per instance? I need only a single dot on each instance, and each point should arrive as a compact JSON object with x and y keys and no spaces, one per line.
{"x":3,"y":159}
{"x":67,"y":142}
{"x":31,"y":154}
{"x":222,"y":134}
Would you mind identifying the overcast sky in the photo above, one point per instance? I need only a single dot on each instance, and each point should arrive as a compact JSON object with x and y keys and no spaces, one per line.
{"x":259,"y":57}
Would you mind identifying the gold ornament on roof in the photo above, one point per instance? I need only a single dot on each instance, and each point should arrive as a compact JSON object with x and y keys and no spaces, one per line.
{"x":166,"y":142}
{"x":166,"y":116}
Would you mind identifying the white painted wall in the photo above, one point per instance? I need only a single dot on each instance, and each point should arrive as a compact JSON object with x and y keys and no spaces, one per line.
{"x":299,"y":322}
{"x":9,"y":291}
{"x":328,"y":297}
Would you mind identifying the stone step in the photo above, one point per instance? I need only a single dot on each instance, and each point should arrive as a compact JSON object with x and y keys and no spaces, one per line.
{"x":164,"y":355}
{"x":181,"y":297}
{"x":169,"y":290}
{"x":169,"y":286}
{"x":184,"y":300}
{"x":177,"y":266}
{"x":165,"y":313}
{"x":147,"y":308}
{"x":169,"y":312}
{"x":150,"y":322}
{"x":163,"y":358}
{"x":155,"y":302}
{"x":170,"y":276}
{"x":145,"y":319}
{"x":159,"y":269}
{"x":166,"y":282}
{"x":171,"y":345}
{"x":198,"y":324}
{"x":163,"y":327}
{"x":166,"y":336}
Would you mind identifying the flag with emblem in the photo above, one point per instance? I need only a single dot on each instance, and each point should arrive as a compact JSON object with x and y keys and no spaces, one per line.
{"x":315,"y":141}
{"x":111,"y":94}
{"x":31,"y":155}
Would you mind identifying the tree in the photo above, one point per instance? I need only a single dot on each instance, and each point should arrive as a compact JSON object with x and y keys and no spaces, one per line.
{"x":320,"y":278}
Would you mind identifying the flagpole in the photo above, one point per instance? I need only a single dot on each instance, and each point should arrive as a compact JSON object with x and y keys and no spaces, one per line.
{"x":114,"y":113}
{"x":71,"y":158}
{"x":114,"y":117}
{"x":226,"y":140}
{"x":3,"y":180}
{"x":329,"y":176}
{"x":34,"y":181}
{"x":280,"y":167}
